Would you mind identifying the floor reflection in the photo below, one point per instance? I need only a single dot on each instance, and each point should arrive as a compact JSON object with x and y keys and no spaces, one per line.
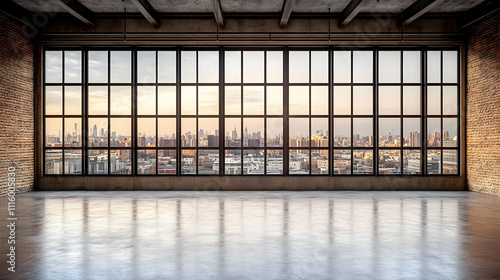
{"x":256,"y":235}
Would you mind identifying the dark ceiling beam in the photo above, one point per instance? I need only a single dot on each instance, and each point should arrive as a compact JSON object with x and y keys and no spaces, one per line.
{"x":79,"y":11}
{"x":17,"y":12}
{"x":417,"y":9}
{"x":147,"y":11}
{"x":479,"y":13}
{"x":286,"y":12}
{"x":218,"y":13}
{"x":350,"y":11}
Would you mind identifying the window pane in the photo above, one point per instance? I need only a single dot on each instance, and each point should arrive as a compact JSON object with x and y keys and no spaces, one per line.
{"x":389,"y":132}
{"x":433,"y":66}
{"x":188,"y":132}
{"x":411,"y":162}
{"x":274,"y":132}
{"x":167,"y":162}
{"x":167,"y":132}
{"x":53,"y":66}
{"x":450,"y":71}
{"x":146,"y":100}
{"x":208,"y":100}
{"x":253,"y":67}
{"x":121,"y":135}
{"x":98,"y":66}
{"x":363,"y":132}
{"x":253,"y":132}
{"x":342,"y":67}
{"x":98,"y":132}
{"x":342,"y":162}
{"x":167,"y":67}
{"x":389,"y":162}
{"x":72,"y":132}
{"x":450,"y":101}
{"x":362,"y":162}
{"x":298,"y":162}
{"x":274,"y":67}
{"x":253,"y":100}
{"x":389,"y":100}
{"x":53,"y":100}
{"x":146,"y":132}
{"x":233,"y":132}
{"x":120,"y":162}
{"x":433,"y":161}
{"x":450,"y":162}
{"x":342,"y":132}
{"x":146,"y":162}
{"x":433,"y":132}
{"x":411,"y":132}
{"x":120,"y":100}
{"x":411,"y":100}
{"x":389,"y":67}
{"x":342,"y":100}
{"x":299,"y":67}
{"x":450,"y":132}
{"x":319,"y":67}
{"x":98,"y":162}
{"x":299,"y":132}
{"x":433,"y":100}
{"x":299,"y":100}
{"x":188,"y":67}
{"x":232,"y":100}
{"x":319,"y":162}
{"x":274,"y":162}
{"x":319,"y":100}
{"x":363,"y":100}
{"x":121,"y":66}
{"x":363,"y":66}
{"x":53,"y":132}
{"x":208,"y":132}
{"x":232,"y":67}
{"x":167,"y":100}
{"x":73,"y":162}
{"x":188,"y":100}
{"x":208,"y":67}
{"x":188,"y":162}
{"x":275,"y":100}
{"x":73,"y":67}
{"x":411,"y":67}
{"x":208,"y":162}
{"x":253,"y":162}
{"x":146,"y":67}
{"x":232,"y":162}
{"x":319,"y":132}
{"x":98,"y":100}
{"x":72,"y":100}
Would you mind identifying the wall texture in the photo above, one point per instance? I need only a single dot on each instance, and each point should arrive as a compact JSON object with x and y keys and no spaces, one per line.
{"x":483,"y":107}
{"x":17,"y":140}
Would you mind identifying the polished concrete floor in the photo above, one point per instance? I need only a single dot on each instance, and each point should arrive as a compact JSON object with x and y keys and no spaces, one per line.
{"x":254,"y":235}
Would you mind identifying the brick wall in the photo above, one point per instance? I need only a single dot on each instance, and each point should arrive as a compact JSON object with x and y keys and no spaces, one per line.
{"x":483,"y":107}
{"x":16,"y":105}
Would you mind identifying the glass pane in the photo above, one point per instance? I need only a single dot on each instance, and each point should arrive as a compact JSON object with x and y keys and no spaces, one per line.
{"x":433,"y":132}
{"x":167,"y":100}
{"x":299,"y":132}
{"x":208,"y":67}
{"x":188,"y":132}
{"x":274,"y":132}
{"x":362,"y":162}
{"x":146,"y":162}
{"x":167,"y":132}
{"x":97,"y":162}
{"x":450,"y":100}
{"x":146,"y":67}
{"x":188,"y":162}
{"x":146,"y":100}
{"x":188,"y":67}
{"x":319,"y":162}
{"x":433,"y":161}
{"x":299,"y":100}
{"x":98,"y":132}
{"x":72,"y":132}
{"x":342,"y":100}
{"x":389,"y":132}
{"x":433,"y":100}
{"x":253,"y":162}
{"x":319,"y":67}
{"x":411,"y":162}
{"x":411,"y":132}
{"x":232,"y":68}
{"x":450,"y":70}
{"x":389,"y":67}
{"x":72,"y":162}
{"x":98,"y":66}
{"x":53,"y":100}
{"x":208,"y":162}
{"x":342,"y":162}
{"x":253,"y":67}
{"x":450,"y":162}
{"x":298,"y":67}
{"x":411,"y":67}
{"x":53,"y":66}
{"x":73,"y":67}
{"x":434,"y":66}
{"x":253,"y":132}
{"x":121,"y":66}
{"x":363,"y":132}
{"x":319,"y":100}
{"x":233,"y":132}
{"x":208,"y":100}
{"x":389,"y":100}
{"x":411,"y":100}
{"x":342,"y":132}
{"x":121,"y":135}
{"x":275,"y":100}
{"x":389,"y":162}
{"x":167,"y":162}
{"x":274,"y":160}
{"x":188,"y":100}
{"x":98,"y":100}
{"x":274,"y":67}
{"x":72,"y":100}
{"x":298,"y":162}
{"x":319,"y":132}
{"x":342,"y":67}
{"x":167,"y":67}
{"x":232,"y":100}
{"x":53,"y":132}
{"x":146,"y":132}
{"x":450,"y":132}
{"x":253,"y":100}
{"x":363,"y":66}
{"x":53,"y":162}
{"x":120,"y":100}
{"x":208,"y":132}
{"x":232,"y":162}
{"x":363,"y":100}
{"x":120,"y":162}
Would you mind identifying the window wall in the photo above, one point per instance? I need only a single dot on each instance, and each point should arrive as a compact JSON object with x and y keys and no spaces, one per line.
{"x":252,"y":111}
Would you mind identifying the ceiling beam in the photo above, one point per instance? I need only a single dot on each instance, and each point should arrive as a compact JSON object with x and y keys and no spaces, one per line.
{"x":79,"y":11}
{"x":15,"y":11}
{"x":286,"y":12}
{"x":417,"y":9}
{"x":350,"y":11}
{"x":147,"y":11}
{"x":218,"y":13}
{"x":479,"y":13}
